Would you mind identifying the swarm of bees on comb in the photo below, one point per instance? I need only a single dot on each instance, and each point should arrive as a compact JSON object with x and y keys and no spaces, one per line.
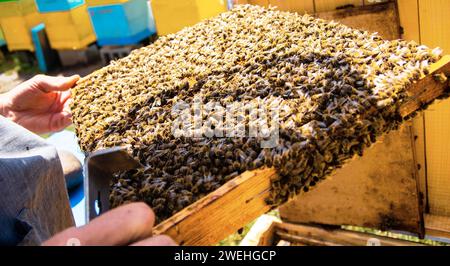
{"x":342,"y":88}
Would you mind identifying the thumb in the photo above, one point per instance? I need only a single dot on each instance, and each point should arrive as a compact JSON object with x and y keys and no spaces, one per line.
{"x":48,"y":83}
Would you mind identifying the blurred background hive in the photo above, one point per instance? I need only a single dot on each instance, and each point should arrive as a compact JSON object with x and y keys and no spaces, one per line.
{"x":172,"y":16}
{"x":57,"y":5}
{"x":16,"y":20}
{"x":67,"y":24}
{"x":90,"y":3}
{"x":132,"y":19}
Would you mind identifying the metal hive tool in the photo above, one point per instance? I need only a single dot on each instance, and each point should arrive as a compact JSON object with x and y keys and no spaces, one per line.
{"x":99,"y":169}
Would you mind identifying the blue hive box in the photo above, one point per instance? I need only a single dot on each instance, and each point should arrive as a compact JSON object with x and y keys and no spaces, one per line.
{"x":122,"y":24}
{"x":45,"y":6}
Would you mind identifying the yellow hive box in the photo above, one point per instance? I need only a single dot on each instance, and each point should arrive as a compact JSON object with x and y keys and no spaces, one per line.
{"x":16,"y":19}
{"x":172,"y":16}
{"x":17,"y":8}
{"x":265,"y":3}
{"x":69,"y":30}
{"x":255,"y":2}
{"x":17,"y":31}
{"x":104,"y":2}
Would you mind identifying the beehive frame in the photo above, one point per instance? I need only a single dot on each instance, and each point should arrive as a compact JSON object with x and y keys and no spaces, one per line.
{"x":241,"y":200}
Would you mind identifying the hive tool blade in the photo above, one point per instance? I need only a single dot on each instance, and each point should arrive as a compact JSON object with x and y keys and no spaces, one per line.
{"x":99,"y":168}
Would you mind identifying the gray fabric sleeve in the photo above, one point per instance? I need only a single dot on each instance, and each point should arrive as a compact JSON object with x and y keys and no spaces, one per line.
{"x":34,"y":203}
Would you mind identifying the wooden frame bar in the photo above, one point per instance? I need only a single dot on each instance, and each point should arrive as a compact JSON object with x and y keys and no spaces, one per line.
{"x":305,"y":235}
{"x":437,"y":226}
{"x":222,"y":212}
{"x":241,"y":200}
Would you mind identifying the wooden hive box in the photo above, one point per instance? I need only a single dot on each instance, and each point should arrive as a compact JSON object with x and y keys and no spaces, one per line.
{"x":172,"y":16}
{"x":17,"y":18}
{"x":378,"y":190}
{"x":288,"y":234}
{"x":69,"y":29}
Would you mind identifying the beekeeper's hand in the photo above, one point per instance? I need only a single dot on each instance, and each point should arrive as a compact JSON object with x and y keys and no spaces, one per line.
{"x":40,"y":104}
{"x":128,"y":225}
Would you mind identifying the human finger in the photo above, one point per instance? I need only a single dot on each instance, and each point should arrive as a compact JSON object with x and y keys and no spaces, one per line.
{"x":160,"y":240}
{"x":49,"y":83}
{"x":121,"y":226}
